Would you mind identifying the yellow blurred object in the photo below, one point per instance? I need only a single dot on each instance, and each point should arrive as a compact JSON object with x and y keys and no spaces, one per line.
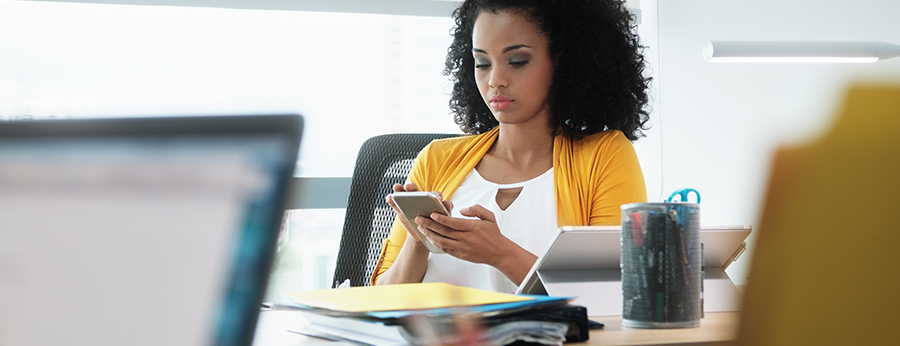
{"x":400,"y":297}
{"x":824,"y":271}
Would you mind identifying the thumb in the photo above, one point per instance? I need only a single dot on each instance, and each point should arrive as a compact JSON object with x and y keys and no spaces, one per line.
{"x":479,"y":212}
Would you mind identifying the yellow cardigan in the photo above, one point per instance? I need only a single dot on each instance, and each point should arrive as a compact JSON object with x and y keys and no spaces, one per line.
{"x":593,"y":177}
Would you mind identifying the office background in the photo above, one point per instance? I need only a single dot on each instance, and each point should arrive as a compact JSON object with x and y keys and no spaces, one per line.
{"x":356,"y":69}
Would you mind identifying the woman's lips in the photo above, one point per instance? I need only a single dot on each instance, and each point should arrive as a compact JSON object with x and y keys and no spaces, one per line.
{"x":499,"y":102}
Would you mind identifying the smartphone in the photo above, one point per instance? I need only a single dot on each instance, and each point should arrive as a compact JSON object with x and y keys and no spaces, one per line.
{"x":418,"y":203}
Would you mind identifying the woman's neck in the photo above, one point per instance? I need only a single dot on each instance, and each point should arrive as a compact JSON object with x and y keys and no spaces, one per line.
{"x":524,"y":146}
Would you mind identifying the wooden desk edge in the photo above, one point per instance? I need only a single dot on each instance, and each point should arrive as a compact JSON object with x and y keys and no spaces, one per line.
{"x":716,"y":328}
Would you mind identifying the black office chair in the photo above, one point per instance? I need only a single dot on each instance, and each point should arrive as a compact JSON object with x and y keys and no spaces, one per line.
{"x":382,"y":162}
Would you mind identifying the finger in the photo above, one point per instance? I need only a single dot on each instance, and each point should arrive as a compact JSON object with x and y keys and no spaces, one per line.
{"x":398,"y":188}
{"x":411,"y":187}
{"x":390,"y":201}
{"x":448,"y":205}
{"x":434,"y":228}
{"x":479,"y":212}
{"x":454,"y":224}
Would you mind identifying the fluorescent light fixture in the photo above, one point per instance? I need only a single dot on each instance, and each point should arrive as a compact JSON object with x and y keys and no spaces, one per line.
{"x":799,"y":52}
{"x":61,"y":103}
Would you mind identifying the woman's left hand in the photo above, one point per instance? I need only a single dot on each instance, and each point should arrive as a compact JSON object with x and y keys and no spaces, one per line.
{"x":478,"y":241}
{"x":474,"y":240}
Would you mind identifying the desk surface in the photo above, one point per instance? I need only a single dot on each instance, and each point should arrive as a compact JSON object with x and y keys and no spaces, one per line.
{"x":715,"y":329}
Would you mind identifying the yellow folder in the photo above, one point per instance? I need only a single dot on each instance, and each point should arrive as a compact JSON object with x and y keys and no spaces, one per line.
{"x":400,"y":297}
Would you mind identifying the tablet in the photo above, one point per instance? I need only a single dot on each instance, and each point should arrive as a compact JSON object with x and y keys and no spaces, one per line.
{"x":598,"y":248}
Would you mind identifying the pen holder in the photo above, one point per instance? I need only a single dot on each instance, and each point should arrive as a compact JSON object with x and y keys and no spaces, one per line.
{"x":661,"y":265}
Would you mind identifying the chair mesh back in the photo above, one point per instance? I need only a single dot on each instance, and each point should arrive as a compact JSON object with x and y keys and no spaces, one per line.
{"x":382,"y":162}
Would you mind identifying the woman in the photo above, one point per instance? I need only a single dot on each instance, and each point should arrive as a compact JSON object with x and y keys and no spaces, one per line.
{"x":551,"y":92}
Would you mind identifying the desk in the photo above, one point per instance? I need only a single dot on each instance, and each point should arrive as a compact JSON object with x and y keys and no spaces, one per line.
{"x":716,"y":328}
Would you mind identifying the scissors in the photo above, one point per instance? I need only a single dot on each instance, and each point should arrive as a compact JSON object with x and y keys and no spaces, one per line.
{"x":683,"y":193}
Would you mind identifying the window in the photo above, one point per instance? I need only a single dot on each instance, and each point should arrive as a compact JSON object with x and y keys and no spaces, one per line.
{"x":352,"y":76}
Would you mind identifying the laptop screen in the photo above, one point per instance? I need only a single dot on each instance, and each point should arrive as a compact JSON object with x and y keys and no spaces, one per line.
{"x":156,"y":231}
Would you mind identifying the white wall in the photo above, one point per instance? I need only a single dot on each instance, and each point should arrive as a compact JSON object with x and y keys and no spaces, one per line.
{"x":716,"y":125}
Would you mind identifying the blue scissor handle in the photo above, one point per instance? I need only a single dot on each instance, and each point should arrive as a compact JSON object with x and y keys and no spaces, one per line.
{"x":683,"y":193}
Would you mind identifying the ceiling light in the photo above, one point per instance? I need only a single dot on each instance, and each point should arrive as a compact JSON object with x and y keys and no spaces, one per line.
{"x":799,"y":52}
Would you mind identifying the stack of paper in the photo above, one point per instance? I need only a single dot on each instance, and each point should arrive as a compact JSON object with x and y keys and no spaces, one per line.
{"x":432,"y":312}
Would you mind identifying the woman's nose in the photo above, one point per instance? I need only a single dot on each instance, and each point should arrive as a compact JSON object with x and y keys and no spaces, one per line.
{"x":498,"y":79}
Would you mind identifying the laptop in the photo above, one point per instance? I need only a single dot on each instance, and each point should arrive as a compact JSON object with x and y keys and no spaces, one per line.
{"x":584,"y":261}
{"x":140,"y":231}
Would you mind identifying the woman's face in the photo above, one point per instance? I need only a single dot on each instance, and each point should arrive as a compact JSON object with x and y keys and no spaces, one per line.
{"x":513,"y":68}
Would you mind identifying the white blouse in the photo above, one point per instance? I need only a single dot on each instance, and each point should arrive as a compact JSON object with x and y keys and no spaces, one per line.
{"x":529,"y":221}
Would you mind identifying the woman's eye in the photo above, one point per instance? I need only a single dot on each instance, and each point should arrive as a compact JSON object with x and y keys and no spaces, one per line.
{"x":482,"y":64}
{"x":518,"y":63}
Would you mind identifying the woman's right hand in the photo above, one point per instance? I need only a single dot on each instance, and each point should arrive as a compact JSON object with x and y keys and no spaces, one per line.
{"x":410,"y":187}
{"x":412,"y":260}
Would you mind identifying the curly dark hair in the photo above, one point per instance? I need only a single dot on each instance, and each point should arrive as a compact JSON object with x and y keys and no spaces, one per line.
{"x":598,"y":81}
